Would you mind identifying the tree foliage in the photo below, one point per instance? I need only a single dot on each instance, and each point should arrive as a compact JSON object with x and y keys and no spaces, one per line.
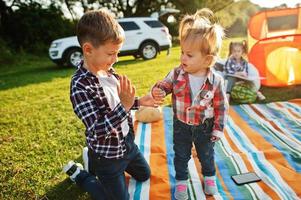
{"x":28,"y":25}
{"x":190,"y":6}
{"x":124,"y":8}
{"x":234,"y":18}
{"x":31,"y":27}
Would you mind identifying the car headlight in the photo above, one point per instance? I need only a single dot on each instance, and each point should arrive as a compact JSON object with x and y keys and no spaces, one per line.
{"x":55,"y":44}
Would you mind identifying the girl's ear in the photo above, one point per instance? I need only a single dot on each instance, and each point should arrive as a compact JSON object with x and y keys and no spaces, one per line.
{"x":209,"y":59}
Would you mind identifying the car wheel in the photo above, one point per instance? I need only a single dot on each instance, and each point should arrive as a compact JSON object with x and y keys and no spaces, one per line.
{"x":74,"y":56}
{"x":148,"y":50}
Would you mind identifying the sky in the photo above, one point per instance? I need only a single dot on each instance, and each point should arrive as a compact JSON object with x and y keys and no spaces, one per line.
{"x":273,"y":3}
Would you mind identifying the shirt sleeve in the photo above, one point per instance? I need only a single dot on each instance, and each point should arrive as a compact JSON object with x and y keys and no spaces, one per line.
{"x":247,"y":67}
{"x":92,"y":115}
{"x":221,"y":106}
{"x":136,"y":104}
{"x":166,"y":83}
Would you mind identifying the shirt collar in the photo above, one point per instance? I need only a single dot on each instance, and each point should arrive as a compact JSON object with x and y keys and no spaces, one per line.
{"x":242,"y":60}
{"x":209,"y":76}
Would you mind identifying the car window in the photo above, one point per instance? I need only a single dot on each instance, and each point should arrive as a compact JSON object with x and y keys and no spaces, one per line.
{"x":129,"y":26}
{"x":154,"y":24}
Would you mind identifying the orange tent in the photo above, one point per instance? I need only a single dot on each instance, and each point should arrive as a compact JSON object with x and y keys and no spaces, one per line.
{"x":274,"y":40}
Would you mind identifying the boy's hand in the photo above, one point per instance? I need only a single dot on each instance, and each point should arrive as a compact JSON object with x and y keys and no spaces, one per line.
{"x":126,"y":92}
{"x":148,"y":100}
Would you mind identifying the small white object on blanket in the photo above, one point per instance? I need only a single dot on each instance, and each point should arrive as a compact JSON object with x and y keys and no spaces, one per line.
{"x":148,"y":114}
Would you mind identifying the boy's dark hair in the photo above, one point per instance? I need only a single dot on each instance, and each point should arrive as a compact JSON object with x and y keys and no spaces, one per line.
{"x":243,"y":44}
{"x":99,"y":27}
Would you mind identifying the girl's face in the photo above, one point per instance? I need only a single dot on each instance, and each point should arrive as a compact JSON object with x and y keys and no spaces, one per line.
{"x":193,"y":60}
{"x":237,"y":52}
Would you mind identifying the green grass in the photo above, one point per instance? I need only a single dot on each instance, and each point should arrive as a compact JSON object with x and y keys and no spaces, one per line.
{"x":39,"y":132}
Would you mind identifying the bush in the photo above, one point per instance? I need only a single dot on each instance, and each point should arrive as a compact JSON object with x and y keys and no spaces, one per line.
{"x":32,"y":27}
{"x":6,"y":55}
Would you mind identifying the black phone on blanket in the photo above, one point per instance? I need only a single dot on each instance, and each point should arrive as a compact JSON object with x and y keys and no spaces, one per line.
{"x":245,"y":178}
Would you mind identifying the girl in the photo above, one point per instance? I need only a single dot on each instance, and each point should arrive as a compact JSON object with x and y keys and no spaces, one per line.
{"x":237,"y":65}
{"x":198,"y":97}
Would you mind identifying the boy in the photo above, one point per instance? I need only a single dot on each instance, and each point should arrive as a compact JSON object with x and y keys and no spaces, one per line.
{"x":102,"y":100}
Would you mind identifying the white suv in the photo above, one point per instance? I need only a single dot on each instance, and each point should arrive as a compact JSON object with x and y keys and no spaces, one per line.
{"x":144,"y":37}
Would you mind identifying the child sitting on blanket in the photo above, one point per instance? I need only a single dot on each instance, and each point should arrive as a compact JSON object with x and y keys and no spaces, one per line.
{"x":198,"y":97}
{"x":237,"y":65}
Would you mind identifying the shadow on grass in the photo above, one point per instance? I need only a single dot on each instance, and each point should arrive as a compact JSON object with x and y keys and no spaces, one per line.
{"x":66,"y":190}
{"x":281,"y":93}
{"x":18,"y":76}
{"x":34,"y":75}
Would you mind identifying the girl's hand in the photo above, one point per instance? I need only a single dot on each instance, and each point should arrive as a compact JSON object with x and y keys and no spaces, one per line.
{"x":148,"y":100}
{"x":214,"y":138}
{"x":158,"y":95}
{"x":243,"y":74}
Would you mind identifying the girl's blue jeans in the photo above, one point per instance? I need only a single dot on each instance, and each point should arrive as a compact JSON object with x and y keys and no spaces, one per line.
{"x":184,"y":136}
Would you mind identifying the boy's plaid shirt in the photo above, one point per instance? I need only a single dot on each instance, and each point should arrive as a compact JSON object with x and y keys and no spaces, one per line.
{"x":103,"y":125}
{"x":211,"y":100}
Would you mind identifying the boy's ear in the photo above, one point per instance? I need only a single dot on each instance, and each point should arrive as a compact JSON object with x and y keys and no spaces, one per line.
{"x":87,"y":48}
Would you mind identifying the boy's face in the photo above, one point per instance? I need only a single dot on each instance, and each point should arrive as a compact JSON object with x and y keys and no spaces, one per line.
{"x":192,"y":59}
{"x":102,"y":57}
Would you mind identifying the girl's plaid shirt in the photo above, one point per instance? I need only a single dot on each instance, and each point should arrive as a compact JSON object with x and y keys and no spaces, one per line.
{"x":231,"y":66}
{"x":103,"y":125}
{"x":210,"y":101}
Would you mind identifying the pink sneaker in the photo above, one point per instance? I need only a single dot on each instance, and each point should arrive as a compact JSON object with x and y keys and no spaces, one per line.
{"x":210,"y":185}
{"x":181,"y":190}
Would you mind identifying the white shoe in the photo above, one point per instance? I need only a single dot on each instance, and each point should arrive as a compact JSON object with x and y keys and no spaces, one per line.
{"x":86,"y":159}
{"x":72,"y":169}
{"x":181,"y":191}
{"x":210,"y":185}
{"x":260,"y":96}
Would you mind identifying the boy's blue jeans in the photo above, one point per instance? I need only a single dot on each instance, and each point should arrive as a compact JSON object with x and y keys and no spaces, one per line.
{"x":184,"y":136}
{"x":111,"y":183}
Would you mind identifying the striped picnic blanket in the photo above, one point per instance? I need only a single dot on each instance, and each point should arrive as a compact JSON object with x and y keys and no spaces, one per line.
{"x":264,"y":138}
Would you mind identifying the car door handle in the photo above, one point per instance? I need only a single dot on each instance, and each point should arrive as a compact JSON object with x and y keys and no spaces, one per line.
{"x":139,"y":33}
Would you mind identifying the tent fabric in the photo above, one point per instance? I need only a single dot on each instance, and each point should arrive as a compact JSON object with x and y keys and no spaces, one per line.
{"x":274,"y":40}
{"x":264,"y":138}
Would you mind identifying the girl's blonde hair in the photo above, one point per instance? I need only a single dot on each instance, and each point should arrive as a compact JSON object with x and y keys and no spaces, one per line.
{"x":202,"y":29}
{"x":243,"y":44}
